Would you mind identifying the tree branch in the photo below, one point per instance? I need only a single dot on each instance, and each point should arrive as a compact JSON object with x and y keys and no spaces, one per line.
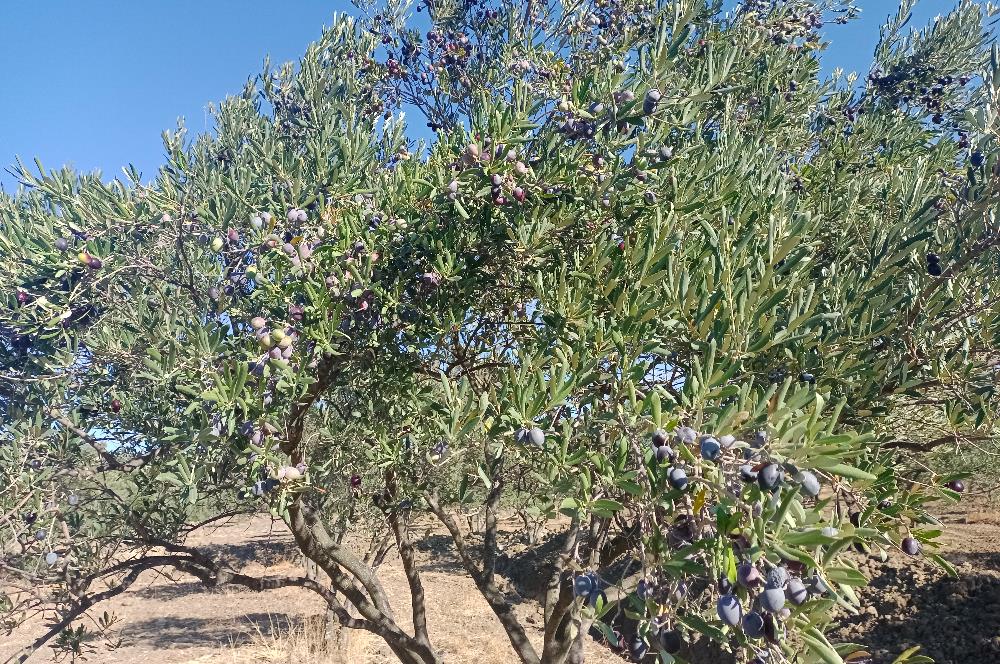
{"x":501,"y":607}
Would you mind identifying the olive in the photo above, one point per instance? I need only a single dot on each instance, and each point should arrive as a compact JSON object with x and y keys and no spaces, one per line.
{"x":729,"y":610}
{"x":753,"y":625}
{"x":808,"y":483}
{"x":664,"y":453}
{"x":772,"y":599}
{"x":650,"y":101}
{"x":670,"y":640}
{"x":747,"y":473}
{"x":777,"y":578}
{"x":747,"y":575}
{"x":770,"y":477}
{"x":686,"y":435}
{"x":796,"y":591}
{"x":911,"y":547}
{"x":711,"y":450}
{"x":677,"y":478}
{"x":583,"y":585}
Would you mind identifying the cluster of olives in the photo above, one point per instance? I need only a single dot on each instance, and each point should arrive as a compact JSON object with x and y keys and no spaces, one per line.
{"x":278,"y":343}
{"x":769,"y":475}
{"x":257,"y":434}
{"x":768,"y":595}
{"x":504,"y":181}
{"x":767,"y":592}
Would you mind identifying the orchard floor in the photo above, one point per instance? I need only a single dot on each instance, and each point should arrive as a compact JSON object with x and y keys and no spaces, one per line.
{"x":175,"y":621}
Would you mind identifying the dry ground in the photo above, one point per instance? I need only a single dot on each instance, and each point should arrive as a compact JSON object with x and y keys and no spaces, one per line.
{"x":175,"y":621}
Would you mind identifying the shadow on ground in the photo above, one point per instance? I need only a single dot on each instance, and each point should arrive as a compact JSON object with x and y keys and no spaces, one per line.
{"x":182,"y":632}
{"x":909,"y":603}
{"x":266,"y":550}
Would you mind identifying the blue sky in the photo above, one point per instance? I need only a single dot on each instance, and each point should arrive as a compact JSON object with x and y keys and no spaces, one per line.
{"x":93,"y":84}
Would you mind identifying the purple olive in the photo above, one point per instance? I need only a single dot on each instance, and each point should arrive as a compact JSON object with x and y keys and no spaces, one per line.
{"x":637,"y":648}
{"x":62,"y":244}
{"x":747,"y":473}
{"x":670,"y":641}
{"x":911,"y":547}
{"x":958,"y":486}
{"x":777,"y":578}
{"x":772,"y":599}
{"x":796,"y":591}
{"x":664,"y":453}
{"x":686,"y":435}
{"x":584,"y":585}
{"x":659,"y":438}
{"x":770,"y":477}
{"x":711,"y":450}
{"x":650,"y":101}
{"x":677,"y":478}
{"x":729,"y":610}
{"x":753,"y":625}
{"x":747,"y":575}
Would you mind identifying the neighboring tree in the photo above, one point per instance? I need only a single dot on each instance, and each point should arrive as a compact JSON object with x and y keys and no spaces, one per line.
{"x":654,"y":282}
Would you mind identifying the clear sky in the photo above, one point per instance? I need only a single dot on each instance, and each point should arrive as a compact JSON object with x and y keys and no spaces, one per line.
{"x":93,"y":83}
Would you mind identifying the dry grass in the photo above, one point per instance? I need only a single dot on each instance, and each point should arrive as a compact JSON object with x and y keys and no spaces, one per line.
{"x":300,"y":643}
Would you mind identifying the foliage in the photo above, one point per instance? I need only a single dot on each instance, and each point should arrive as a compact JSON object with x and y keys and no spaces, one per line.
{"x":631,"y":217}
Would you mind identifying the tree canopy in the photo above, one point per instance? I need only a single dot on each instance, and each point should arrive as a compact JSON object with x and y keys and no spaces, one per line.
{"x":654,"y":281}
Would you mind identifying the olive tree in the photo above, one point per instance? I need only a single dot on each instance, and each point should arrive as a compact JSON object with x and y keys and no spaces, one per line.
{"x":651,"y":279}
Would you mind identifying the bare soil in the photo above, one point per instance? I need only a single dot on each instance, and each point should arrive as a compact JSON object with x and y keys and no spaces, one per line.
{"x":174,"y":620}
